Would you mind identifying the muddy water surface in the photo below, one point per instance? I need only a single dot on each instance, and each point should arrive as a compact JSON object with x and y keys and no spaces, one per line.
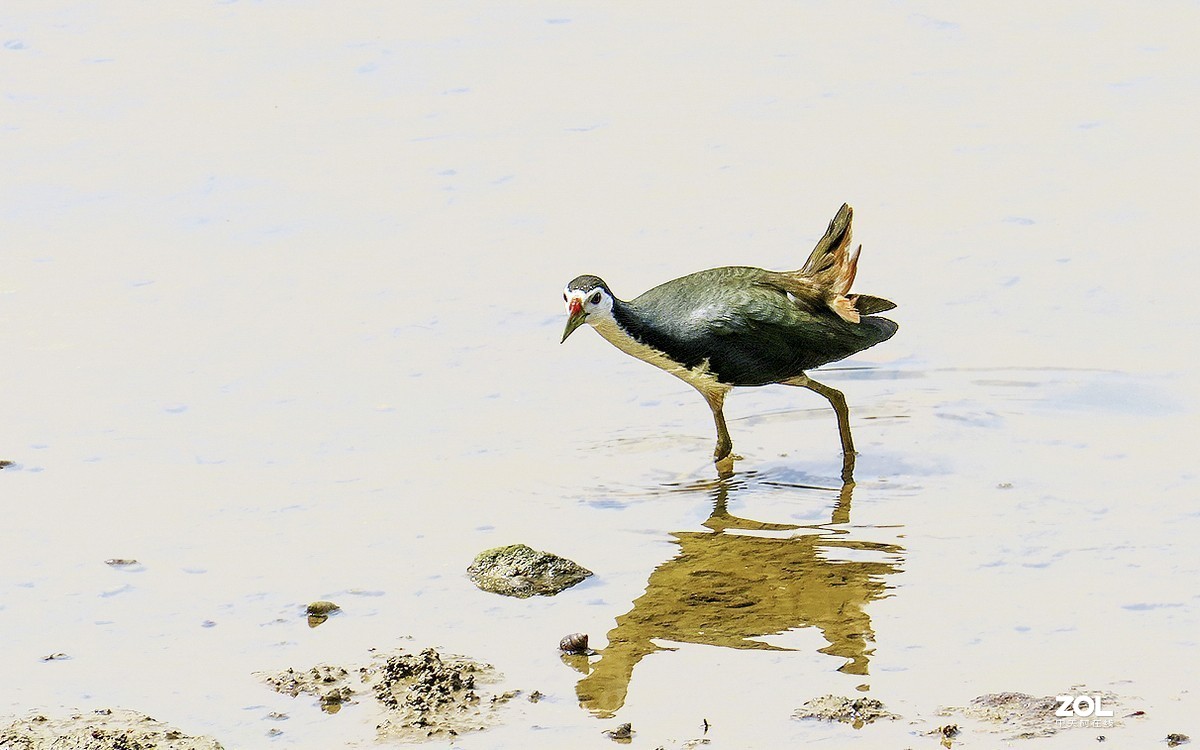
{"x":280,"y":312}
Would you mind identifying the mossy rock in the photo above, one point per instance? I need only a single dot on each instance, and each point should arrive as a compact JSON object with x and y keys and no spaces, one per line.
{"x":520,"y":571}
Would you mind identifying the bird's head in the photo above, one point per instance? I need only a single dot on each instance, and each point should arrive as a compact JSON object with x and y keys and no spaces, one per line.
{"x":587,"y":299}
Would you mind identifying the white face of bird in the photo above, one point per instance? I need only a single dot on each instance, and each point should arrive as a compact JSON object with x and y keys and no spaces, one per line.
{"x":586,"y":306}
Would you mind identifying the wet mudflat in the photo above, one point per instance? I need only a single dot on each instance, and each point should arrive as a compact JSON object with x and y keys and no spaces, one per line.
{"x":281,"y":329}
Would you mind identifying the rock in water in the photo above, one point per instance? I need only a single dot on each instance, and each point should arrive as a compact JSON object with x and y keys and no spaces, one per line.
{"x":517,"y":570}
{"x":321,"y":608}
{"x":621,"y":733}
{"x":318,"y":612}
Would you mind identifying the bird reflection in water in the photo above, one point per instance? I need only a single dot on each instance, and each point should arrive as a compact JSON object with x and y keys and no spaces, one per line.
{"x":728,"y":589}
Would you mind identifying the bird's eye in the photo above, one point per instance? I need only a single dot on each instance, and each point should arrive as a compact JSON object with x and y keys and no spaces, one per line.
{"x":595,"y":300}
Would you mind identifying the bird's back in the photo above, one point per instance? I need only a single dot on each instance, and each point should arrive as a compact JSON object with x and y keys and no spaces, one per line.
{"x":750,"y":329}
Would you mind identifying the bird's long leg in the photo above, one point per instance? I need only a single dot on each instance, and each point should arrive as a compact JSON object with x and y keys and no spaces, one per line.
{"x":716,"y":402}
{"x":837,"y":401}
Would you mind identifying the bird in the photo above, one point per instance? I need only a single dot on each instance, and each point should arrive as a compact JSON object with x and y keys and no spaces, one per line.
{"x":741,"y":326}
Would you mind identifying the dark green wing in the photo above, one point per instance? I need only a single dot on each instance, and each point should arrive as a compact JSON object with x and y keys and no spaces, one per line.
{"x":749,"y":330}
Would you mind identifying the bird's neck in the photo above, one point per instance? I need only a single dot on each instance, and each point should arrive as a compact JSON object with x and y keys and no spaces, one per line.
{"x":627,"y":328}
{"x":639,"y":336}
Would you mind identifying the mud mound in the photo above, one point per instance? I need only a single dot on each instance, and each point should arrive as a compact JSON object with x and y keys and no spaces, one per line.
{"x":420,"y":696}
{"x":101,"y":730}
{"x":1024,"y":716}
{"x":857,"y":712}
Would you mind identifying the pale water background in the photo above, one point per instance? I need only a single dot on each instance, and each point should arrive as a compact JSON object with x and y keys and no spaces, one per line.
{"x":279,"y":318}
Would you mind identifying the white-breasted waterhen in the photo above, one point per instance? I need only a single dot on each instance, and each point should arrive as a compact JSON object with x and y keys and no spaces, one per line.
{"x":743,"y":326}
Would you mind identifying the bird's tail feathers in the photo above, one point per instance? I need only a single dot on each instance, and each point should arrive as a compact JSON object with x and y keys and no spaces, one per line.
{"x":852,"y":307}
{"x":865,"y":304}
{"x":827,"y":275}
{"x":832,"y":266}
{"x":831,"y":263}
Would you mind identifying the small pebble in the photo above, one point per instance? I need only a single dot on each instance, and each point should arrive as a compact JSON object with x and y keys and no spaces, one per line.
{"x":319,"y":612}
{"x":623,"y":732}
{"x":1174,"y":739}
{"x":117,"y":562}
{"x":322,"y":608}
{"x":55,"y":657}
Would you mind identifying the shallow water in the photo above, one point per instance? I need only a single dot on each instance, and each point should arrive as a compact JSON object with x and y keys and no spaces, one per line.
{"x":280,"y":307}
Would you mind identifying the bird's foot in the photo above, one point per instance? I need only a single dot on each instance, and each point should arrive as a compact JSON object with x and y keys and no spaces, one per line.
{"x":724,"y":463}
{"x":725,"y":466}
